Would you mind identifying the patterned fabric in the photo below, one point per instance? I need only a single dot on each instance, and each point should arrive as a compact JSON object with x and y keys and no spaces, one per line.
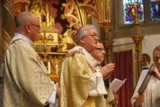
{"x":26,"y":83}
{"x":95,"y":64}
{"x":77,"y":79}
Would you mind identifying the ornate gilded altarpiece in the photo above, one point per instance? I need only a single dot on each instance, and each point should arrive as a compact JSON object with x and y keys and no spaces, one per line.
{"x":59,"y":19}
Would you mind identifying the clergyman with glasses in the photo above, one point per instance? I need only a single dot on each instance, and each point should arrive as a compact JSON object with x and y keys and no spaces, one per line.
{"x":151,"y":96}
{"x":79,"y":81}
{"x":24,"y":81}
{"x":99,"y":56}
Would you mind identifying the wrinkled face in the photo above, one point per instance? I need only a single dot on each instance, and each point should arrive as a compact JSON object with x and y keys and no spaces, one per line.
{"x":35,"y":29}
{"x":156,"y":59}
{"x":99,"y":52}
{"x":90,"y":40}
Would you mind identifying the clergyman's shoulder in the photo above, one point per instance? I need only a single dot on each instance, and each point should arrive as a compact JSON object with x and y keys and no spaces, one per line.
{"x":71,"y":54}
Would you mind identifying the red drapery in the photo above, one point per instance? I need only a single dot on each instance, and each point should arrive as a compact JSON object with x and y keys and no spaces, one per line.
{"x":124,"y":69}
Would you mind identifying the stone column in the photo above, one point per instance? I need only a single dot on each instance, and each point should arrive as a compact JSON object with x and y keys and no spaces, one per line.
{"x":138,"y":38}
{"x":108,"y":46}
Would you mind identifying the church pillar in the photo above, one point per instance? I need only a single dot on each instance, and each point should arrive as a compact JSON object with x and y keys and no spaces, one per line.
{"x":108,"y":43}
{"x":105,"y":23}
{"x":137,"y":38}
{"x":7,"y":24}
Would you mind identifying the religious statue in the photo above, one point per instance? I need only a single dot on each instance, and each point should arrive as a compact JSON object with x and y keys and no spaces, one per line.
{"x":37,"y":9}
{"x":62,"y":44}
{"x":66,"y":42}
{"x":55,"y":64}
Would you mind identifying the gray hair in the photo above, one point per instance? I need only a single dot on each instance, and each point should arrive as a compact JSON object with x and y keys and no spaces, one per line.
{"x":83,"y":32}
{"x":23,"y":18}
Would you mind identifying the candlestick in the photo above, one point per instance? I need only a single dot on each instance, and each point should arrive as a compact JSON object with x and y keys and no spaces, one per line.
{"x":49,"y":67}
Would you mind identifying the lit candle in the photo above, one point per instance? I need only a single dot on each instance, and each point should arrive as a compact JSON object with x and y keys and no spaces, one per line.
{"x":49,"y":67}
{"x":56,"y":69}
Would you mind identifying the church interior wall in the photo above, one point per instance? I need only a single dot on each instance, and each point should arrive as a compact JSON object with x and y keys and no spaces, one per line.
{"x":95,"y":22}
{"x":149,"y":43}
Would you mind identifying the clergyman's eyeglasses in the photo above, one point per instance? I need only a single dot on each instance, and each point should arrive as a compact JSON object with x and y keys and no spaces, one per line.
{"x":100,"y":49}
{"x":38,"y":26}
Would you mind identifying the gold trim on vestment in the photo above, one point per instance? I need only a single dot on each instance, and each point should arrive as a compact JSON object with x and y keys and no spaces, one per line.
{"x":79,"y":52}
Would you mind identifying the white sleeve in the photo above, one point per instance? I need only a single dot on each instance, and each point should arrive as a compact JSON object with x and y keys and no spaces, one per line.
{"x":52,"y":98}
{"x":53,"y":105}
{"x":98,"y":87}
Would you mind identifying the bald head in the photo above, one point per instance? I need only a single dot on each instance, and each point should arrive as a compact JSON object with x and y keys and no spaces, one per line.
{"x":28,"y":24}
{"x":23,"y":18}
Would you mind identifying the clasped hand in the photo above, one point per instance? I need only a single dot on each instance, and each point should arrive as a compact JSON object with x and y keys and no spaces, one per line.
{"x":140,"y":99}
{"x":156,"y":73}
{"x":107,"y":70}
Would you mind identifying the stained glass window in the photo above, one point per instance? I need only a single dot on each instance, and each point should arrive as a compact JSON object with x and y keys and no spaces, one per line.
{"x":155,"y":9}
{"x":130,"y":7}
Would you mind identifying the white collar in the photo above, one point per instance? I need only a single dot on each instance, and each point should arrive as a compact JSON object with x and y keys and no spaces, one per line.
{"x":21,"y":36}
{"x":88,"y":56}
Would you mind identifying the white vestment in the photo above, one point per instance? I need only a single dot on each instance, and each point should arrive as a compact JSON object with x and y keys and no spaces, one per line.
{"x":152,"y":94}
{"x":81,"y":85}
{"x":25,"y":83}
